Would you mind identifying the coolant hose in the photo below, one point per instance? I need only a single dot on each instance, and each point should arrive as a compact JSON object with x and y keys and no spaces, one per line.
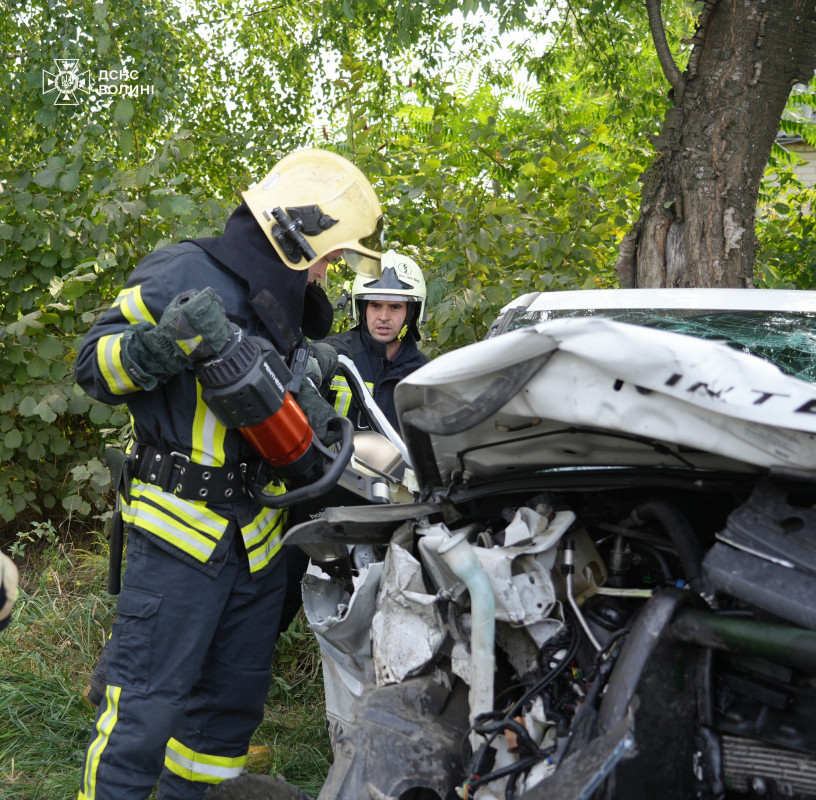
{"x":459,"y":556}
{"x":682,"y":535}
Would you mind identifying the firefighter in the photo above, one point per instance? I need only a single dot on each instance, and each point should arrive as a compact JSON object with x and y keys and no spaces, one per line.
{"x":189,"y":661}
{"x":8,"y":589}
{"x":387,"y":311}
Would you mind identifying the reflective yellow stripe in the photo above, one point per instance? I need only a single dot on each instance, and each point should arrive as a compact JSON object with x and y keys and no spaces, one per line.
{"x":109,"y":358}
{"x":188,"y":525}
{"x":265,"y":546}
{"x":192,"y":766}
{"x":188,"y":345}
{"x":261,"y":557}
{"x":262,"y":537}
{"x":193,"y":512}
{"x":208,"y":435}
{"x":104,"y":726}
{"x":342,"y":399}
{"x":132,"y":306}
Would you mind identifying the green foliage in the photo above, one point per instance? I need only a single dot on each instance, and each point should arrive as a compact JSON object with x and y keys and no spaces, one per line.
{"x":786,"y":231}
{"x":38,"y":534}
{"x":786,"y":226}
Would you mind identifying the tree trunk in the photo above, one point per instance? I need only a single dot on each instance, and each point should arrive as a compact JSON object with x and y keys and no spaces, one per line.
{"x":698,"y":206}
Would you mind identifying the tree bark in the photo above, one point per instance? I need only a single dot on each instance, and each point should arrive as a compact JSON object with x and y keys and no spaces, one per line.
{"x":698,"y":206}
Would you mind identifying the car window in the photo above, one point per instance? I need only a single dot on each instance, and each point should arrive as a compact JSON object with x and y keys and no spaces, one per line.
{"x":786,"y":339}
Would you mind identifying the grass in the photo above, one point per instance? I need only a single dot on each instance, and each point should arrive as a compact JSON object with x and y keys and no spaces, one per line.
{"x":60,"y":622}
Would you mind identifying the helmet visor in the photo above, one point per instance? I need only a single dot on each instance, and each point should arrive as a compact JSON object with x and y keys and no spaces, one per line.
{"x":374,"y":240}
{"x":366,"y":260}
{"x":361,"y":264}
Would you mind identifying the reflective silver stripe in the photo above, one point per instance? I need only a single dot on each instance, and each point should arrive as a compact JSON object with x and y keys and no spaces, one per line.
{"x":259,"y":528}
{"x":132,"y":306}
{"x":109,"y":359}
{"x":208,"y":435}
{"x":105,"y":724}
{"x":189,"y":526}
{"x":201,"y":767}
{"x":165,"y":527}
{"x":342,"y":399}
{"x":262,"y":537}
{"x":194,"y":512}
{"x":262,"y":556}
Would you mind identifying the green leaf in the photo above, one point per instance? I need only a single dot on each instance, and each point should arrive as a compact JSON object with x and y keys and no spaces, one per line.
{"x":46,"y":116}
{"x":45,"y":412}
{"x":58,"y":446}
{"x":23,"y":200}
{"x":13,"y":439}
{"x":99,"y":413}
{"x":45,"y":178}
{"x":49,"y":347}
{"x":27,"y":406}
{"x":72,"y":503}
{"x":69,"y":181}
{"x":126,"y":142}
{"x":78,"y":404}
{"x":123,"y":112}
{"x":37,"y":367}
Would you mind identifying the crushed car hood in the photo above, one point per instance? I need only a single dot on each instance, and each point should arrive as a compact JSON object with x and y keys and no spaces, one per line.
{"x":593,"y":392}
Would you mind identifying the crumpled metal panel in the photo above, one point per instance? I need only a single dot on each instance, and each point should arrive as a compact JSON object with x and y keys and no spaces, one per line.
{"x":520,"y":577}
{"x":342,"y":626}
{"x":718,"y":406}
{"x":407,"y":629}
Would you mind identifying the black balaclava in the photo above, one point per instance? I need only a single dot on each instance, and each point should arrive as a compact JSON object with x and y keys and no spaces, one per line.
{"x":244,"y":249}
{"x":318,"y":312}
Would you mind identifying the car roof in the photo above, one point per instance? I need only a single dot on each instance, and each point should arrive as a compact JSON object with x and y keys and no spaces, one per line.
{"x":700,"y":298}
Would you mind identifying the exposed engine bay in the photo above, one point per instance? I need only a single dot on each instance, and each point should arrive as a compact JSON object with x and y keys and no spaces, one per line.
{"x":633,"y":647}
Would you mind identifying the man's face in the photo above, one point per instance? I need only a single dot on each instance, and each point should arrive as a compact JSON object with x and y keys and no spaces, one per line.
{"x":385,"y":319}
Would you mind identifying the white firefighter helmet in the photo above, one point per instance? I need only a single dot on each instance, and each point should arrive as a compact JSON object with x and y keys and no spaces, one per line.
{"x":401,"y":281}
{"x":315,"y":202}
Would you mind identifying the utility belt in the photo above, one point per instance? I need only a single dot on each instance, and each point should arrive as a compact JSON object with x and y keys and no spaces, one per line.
{"x":175,"y":473}
{"x":172,"y":472}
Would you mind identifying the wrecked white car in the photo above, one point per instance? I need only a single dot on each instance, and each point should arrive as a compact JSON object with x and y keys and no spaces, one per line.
{"x":607,"y":585}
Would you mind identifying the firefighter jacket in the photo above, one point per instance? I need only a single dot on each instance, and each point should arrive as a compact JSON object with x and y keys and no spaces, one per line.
{"x":173,"y":418}
{"x":380,"y":375}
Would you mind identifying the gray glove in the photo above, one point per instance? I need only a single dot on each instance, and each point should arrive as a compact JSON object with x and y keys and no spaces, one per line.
{"x":326,"y":357}
{"x":318,"y":411}
{"x":194,"y":326}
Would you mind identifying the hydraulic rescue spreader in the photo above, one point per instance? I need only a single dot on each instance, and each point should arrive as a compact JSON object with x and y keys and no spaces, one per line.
{"x":245,"y":386}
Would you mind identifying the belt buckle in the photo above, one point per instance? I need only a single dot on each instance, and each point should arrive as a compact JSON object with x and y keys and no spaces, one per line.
{"x":181,"y":467}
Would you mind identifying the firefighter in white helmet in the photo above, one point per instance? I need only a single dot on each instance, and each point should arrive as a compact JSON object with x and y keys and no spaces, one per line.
{"x":189,"y":658}
{"x":387,"y":311}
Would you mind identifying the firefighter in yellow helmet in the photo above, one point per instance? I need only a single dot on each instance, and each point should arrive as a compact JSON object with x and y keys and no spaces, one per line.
{"x":189,"y":658}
